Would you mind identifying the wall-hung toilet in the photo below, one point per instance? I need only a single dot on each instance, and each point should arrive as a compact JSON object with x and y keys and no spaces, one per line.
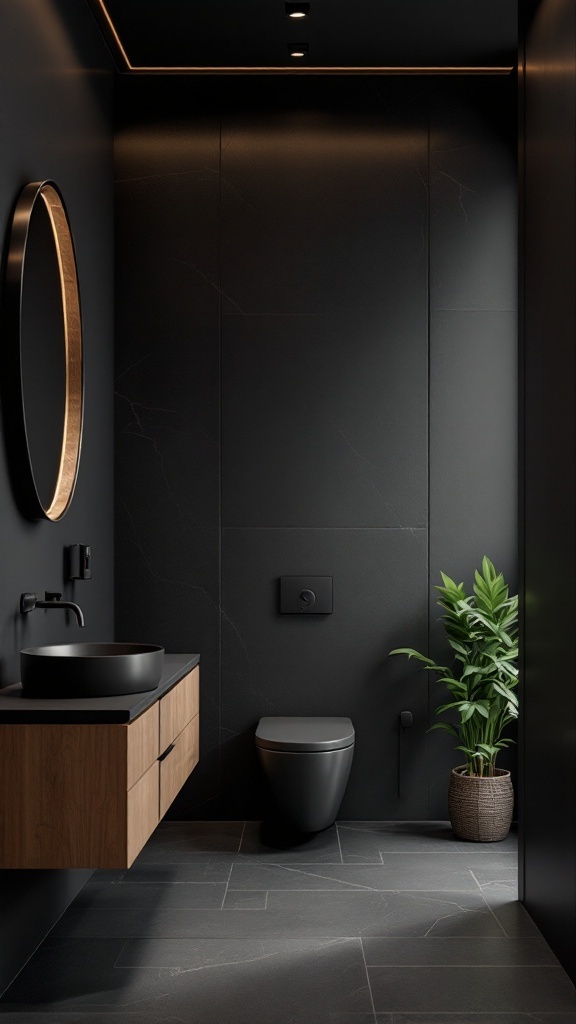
{"x":307,"y":763}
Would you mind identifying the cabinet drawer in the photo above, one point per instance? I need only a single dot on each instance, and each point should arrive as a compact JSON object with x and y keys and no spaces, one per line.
{"x":142,"y":745}
{"x":176,"y":765}
{"x":142,"y":812}
{"x":178,"y":707}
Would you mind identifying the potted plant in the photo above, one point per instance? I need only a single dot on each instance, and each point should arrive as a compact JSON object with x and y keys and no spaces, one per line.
{"x":482,"y":630}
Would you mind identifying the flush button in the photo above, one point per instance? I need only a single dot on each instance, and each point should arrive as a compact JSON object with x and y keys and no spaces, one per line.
{"x":306,"y":595}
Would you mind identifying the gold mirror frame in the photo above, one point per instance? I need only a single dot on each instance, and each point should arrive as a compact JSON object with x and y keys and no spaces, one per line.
{"x":15,"y":413}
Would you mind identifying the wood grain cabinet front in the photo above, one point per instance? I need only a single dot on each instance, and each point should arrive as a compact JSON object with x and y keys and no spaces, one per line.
{"x":89,"y":796}
{"x":179,"y":760}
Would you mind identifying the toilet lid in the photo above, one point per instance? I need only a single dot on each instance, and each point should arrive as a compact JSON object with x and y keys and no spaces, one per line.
{"x":304,"y":734}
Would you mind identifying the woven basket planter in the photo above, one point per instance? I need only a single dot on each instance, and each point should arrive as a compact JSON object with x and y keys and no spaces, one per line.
{"x":480,"y":809}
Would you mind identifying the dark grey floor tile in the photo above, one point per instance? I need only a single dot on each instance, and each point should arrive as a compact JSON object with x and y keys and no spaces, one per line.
{"x":147,"y":895}
{"x":388,"y":913}
{"x":62,"y":971}
{"x":513,"y":917}
{"x":224,"y":982}
{"x":192,"y":842}
{"x":212,"y":843}
{"x":484,"y":951}
{"x":507,"y":845}
{"x":336,"y":1017}
{"x":410,"y":872}
{"x":359,"y":1018}
{"x":475,"y":857}
{"x":468,"y":989}
{"x":474,"y":1018}
{"x":499,"y":889}
{"x":104,"y":877}
{"x":555,"y":1018}
{"x":366,"y":842}
{"x":107,"y":967}
{"x":129,"y":1016}
{"x":318,"y":848}
{"x":496,"y":878}
{"x":201,"y":836}
{"x":293,"y":914}
{"x":245,"y":900}
{"x":211,"y":871}
{"x":154,"y":855}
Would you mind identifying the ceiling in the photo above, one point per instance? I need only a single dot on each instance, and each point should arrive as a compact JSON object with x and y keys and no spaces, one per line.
{"x":341,"y":35}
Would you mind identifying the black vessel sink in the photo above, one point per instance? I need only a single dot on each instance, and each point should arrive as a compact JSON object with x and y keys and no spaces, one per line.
{"x":90,"y":670}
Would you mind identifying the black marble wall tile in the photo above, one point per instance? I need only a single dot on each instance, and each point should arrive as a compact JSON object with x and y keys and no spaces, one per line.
{"x":306,"y":267}
{"x":473,"y":417}
{"x":473,"y":355}
{"x":276,"y":664}
{"x":307,"y":226}
{"x":167,"y":398}
{"x":324,"y":419}
{"x":473,"y":209}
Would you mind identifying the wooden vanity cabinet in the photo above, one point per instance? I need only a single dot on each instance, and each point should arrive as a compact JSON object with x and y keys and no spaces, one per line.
{"x":90,"y":795}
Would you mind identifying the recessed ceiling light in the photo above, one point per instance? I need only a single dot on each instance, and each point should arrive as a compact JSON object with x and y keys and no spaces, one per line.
{"x":298,"y":49}
{"x":294,"y":10}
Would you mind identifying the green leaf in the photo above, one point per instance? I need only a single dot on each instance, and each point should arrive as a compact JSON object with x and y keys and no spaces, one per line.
{"x":505,"y":692}
{"x":455,"y":704}
{"x":411,"y":653}
{"x":481,"y":629}
{"x":467,"y":714}
{"x":458,"y":647}
{"x":488,"y":748}
{"x":446,"y":727}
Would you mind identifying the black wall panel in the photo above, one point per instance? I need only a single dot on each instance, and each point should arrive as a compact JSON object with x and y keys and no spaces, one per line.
{"x":473,"y":351}
{"x":167,"y":392}
{"x":291,"y":253}
{"x":549,"y":250}
{"x":55,"y":122}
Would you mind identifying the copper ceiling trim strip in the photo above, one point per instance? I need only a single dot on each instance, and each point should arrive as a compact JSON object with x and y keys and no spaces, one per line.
{"x":320,"y":70}
{"x":291,"y":69}
{"x":112,"y":29}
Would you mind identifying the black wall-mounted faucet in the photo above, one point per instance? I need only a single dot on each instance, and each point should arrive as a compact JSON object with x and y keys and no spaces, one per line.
{"x":28,"y":602}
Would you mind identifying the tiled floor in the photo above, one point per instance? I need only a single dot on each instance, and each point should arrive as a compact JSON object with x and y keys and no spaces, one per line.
{"x":366,"y":923}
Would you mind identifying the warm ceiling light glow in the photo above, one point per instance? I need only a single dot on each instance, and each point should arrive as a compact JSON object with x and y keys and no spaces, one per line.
{"x":307,"y":69}
{"x":297,"y":10}
{"x":298,"y":49}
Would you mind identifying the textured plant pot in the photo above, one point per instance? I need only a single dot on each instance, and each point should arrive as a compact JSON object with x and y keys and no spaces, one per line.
{"x":480,"y":809}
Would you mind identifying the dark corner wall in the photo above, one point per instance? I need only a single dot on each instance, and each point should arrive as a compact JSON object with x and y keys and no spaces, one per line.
{"x":549,"y":527}
{"x":55,"y":122}
{"x":315,"y":374}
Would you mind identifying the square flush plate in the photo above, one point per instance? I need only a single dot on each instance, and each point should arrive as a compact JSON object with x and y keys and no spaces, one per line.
{"x":306,"y":595}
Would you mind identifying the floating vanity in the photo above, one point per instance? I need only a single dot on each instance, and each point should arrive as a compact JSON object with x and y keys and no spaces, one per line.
{"x":84,"y":782}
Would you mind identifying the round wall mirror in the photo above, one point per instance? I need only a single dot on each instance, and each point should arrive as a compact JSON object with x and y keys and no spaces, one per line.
{"x":43,"y":366}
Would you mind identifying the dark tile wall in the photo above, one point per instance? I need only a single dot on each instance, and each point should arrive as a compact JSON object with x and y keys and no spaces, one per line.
{"x":549,"y":535}
{"x":288,"y":253}
{"x":473,"y":350}
{"x":55,"y":122}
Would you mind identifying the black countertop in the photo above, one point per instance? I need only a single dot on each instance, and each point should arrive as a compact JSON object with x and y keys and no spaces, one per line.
{"x":14,"y":708}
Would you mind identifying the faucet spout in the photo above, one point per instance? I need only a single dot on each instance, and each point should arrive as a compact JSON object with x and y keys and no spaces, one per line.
{"x":28,"y":602}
